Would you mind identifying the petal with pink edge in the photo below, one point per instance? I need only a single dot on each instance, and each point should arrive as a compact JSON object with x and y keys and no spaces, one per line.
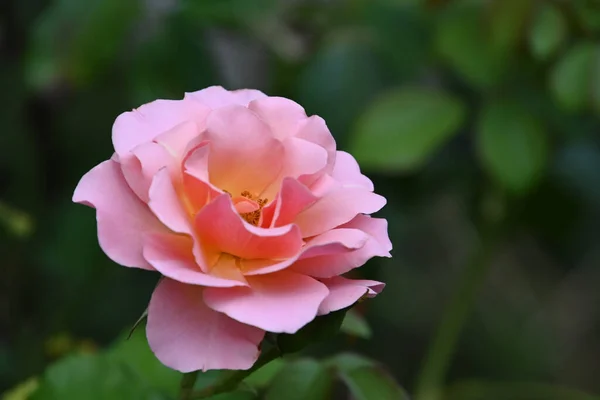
{"x":347,"y":172}
{"x":186,"y":335}
{"x":217,"y":96}
{"x":123,"y":219}
{"x":165,"y":203}
{"x":143,"y":124}
{"x":283,"y":116}
{"x":221,"y":229}
{"x":280,"y":302}
{"x":345,"y":292}
{"x":171,"y":255}
{"x":292,"y":199}
{"x":337,"y":207}
{"x":315,"y":130}
{"x":328,"y":265}
{"x":244,"y":155}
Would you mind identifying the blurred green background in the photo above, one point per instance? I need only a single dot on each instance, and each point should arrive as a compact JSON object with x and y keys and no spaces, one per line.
{"x":478,"y":120}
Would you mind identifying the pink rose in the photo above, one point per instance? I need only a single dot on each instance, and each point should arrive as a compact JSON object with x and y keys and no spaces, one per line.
{"x":245,"y":207}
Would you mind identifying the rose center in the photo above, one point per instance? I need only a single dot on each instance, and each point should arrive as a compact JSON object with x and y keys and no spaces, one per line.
{"x":249,"y":206}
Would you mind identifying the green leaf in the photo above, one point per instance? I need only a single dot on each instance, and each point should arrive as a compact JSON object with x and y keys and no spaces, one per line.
{"x":91,"y":377}
{"x":512,"y":145}
{"x":346,"y":74}
{"x":321,"y":328}
{"x":404,"y":127}
{"x":461,"y":41}
{"x":355,"y":325}
{"x":474,"y":390}
{"x":548,"y":31}
{"x":23,"y":391}
{"x":571,"y":78}
{"x":236,"y":395}
{"x":263,"y":376}
{"x":300,"y":380}
{"x":372,"y":383}
{"x":348,"y":362}
{"x":78,"y":40}
{"x":136,"y":354}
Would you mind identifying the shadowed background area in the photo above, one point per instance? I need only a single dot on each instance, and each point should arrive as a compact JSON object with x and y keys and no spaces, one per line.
{"x":478,"y":120}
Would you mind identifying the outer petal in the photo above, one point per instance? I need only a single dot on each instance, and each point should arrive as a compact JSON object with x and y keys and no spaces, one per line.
{"x":283,"y":116}
{"x":171,"y":255}
{"x":243,"y":153}
{"x":221,"y":229}
{"x":314,"y":129}
{"x":345,"y":292}
{"x":281,"y":302}
{"x":148,"y":121}
{"x":347,"y":171}
{"x":217,"y":96}
{"x":335,"y":242}
{"x":123,"y":219}
{"x":337,"y":207}
{"x":329,"y":265}
{"x":166,"y":205}
{"x":187,"y":336}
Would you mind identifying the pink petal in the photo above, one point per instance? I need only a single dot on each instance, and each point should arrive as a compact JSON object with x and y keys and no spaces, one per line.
{"x":171,"y":255}
{"x":244,"y":156}
{"x":345,"y":292}
{"x":283,"y":116}
{"x":332,"y":242}
{"x":217,"y":96}
{"x":221,"y":229}
{"x":123,"y":219}
{"x":197,"y":188}
{"x":166,"y":205}
{"x":292,"y":199}
{"x":142,"y":163}
{"x":186,"y":335}
{"x":314,"y":129}
{"x":347,"y":171}
{"x":329,"y":265}
{"x":281,"y":302}
{"x":338,"y":207}
{"x":148,"y":121}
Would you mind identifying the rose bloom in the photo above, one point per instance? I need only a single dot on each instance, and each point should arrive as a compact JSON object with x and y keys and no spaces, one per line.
{"x":243,"y":205}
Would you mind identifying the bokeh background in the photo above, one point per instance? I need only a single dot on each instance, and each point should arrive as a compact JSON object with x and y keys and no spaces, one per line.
{"x":478,"y":120}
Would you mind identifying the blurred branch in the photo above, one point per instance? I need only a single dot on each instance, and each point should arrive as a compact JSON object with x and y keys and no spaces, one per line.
{"x":431,"y":379}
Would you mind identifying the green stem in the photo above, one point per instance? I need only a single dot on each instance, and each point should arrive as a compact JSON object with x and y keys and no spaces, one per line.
{"x":441,"y":350}
{"x":187,"y":385}
{"x":232,"y":380}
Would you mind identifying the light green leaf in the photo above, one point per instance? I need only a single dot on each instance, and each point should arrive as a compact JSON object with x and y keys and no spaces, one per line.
{"x":23,"y":391}
{"x":355,"y":325}
{"x":548,"y":31}
{"x":136,"y":354}
{"x":300,"y":380}
{"x":348,"y":362}
{"x":264,"y":375}
{"x":372,"y":383}
{"x":512,"y":145}
{"x":571,"y":78}
{"x":404,"y":127}
{"x":91,"y":377}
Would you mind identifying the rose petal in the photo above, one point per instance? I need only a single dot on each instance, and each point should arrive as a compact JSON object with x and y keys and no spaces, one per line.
{"x":123,"y":219}
{"x":283,"y":116}
{"x":335,"y":242}
{"x":166,"y":205}
{"x":187,"y":336}
{"x":221,"y":230}
{"x":244,"y":156}
{"x":347,"y":171}
{"x":143,"y":124}
{"x":281,"y":302}
{"x":217,"y":96}
{"x":327,"y":266}
{"x":171,"y":255}
{"x":337,"y":207}
{"x":345,"y":292}
{"x":293,"y":198}
{"x":315,"y":130}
